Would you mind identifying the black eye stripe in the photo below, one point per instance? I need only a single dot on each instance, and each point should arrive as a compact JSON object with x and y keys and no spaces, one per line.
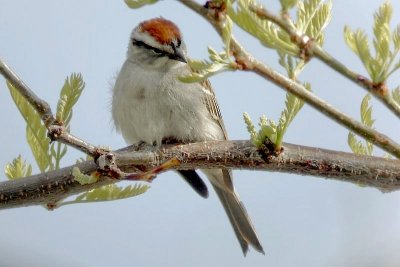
{"x":155,"y":50}
{"x":178,"y":44}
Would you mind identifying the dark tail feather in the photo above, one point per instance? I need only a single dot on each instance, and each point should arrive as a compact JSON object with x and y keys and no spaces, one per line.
{"x":194,"y":180}
{"x":240,"y":221}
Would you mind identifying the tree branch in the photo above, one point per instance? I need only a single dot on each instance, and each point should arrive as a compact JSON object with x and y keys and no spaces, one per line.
{"x":311,"y":48}
{"x":55,"y":129}
{"x":249,"y":63}
{"x":47,"y":188}
{"x":50,"y":187}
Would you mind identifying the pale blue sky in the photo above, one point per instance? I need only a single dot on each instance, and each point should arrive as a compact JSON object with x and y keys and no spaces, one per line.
{"x":301,"y":221}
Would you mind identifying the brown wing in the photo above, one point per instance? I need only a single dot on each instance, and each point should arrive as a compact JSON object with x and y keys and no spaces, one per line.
{"x":212,"y":105}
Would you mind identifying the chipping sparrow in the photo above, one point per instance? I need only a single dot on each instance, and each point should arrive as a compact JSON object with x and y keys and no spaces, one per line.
{"x":151,"y":105}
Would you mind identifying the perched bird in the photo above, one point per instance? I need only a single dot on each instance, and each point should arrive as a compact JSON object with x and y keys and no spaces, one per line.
{"x":151,"y":105}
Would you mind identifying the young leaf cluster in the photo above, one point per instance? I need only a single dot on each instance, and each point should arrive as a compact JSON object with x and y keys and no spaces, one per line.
{"x":265,"y":31}
{"x":36,"y":132}
{"x":108,"y":193}
{"x":47,"y":156}
{"x":82,"y":178}
{"x":103,"y":193}
{"x":266,"y":134}
{"x":269,"y":129}
{"x":139,"y":3}
{"x":227,"y":34}
{"x":293,"y":105}
{"x":69,"y":95}
{"x":386,"y":44}
{"x":201,"y":70}
{"x":18,"y":168}
{"x":356,"y":145}
{"x":292,"y":65}
{"x":312,"y":18}
{"x":287,"y":4}
{"x":396,"y":95}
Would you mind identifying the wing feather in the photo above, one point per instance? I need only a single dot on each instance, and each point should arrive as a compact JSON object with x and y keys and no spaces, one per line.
{"x":211,"y":103}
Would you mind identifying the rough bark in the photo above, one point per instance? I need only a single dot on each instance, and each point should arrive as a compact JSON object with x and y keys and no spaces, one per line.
{"x":48,"y":188}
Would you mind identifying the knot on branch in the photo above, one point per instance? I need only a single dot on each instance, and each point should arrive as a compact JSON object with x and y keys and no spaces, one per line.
{"x":216,"y":10}
{"x":217,"y":6}
{"x":107,"y":166}
{"x":379,"y":88}
{"x":269,"y":150}
{"x":305,"y":44}
{"x":55,"y":130}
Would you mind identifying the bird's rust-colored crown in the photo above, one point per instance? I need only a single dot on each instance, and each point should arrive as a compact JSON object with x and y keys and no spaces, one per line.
{"x":163,"y":30}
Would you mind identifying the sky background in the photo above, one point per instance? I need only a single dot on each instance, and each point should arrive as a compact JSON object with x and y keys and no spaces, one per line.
{"x":301,"y":220}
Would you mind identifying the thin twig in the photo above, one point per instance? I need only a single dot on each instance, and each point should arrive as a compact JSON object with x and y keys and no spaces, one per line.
{"x":55,"y":130}
{"x":380,"y":173}
{"x":41,"y":106}
{"x":298,"y":90}
{"x":311,"y":48}
{"x":251,"y":64}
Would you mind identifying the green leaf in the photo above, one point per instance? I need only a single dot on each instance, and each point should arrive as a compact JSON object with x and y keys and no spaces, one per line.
{"x":139,"y":3}
{"x":385,"y":42}
{"x":36,"y":133}
{"x":267,"y":130}
{"x":382,"y":32}
{"x":292,"y":106}
{"x":287,"y":4}
{"x":265,"y":31}
{"x":216,"y":57}
{"x":250,"y":127}
{"x":109,"y":193}
{"x":18,"y":168}
{"x":82,"y":178}
{"x":396,"y":38}
{"x":227,"y":34}
{"x":69,"y":95}
{"x":366,"y":119}
{"x":358,"y":42}
{"x":396,"y":95}
{"x":205,"y":73}
{"x":312,"y":18}
{"x":366,"y":111}
{"x":357,"y":146}
{"x":293,"y":65}
{"x":201,"y":70}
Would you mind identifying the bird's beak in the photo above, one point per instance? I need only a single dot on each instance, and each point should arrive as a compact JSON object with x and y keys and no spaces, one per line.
{"x":179,"y":55}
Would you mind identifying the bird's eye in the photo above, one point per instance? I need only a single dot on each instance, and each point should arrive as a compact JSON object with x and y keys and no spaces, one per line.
{"x":137,"y":43}
{"x":157,"y":51}
{"x":179,"y":43}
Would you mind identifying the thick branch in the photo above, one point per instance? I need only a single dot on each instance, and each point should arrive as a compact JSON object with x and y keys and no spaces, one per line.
{"x":380,"y":173}
{"x":251,"y":64}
